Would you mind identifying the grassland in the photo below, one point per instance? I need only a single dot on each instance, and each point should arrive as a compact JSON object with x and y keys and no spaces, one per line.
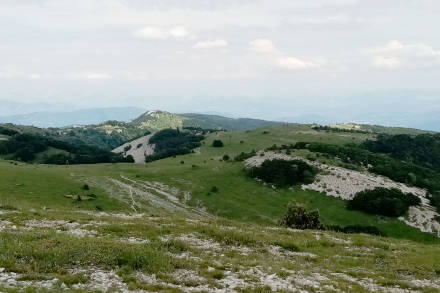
{"x":160,"y":227}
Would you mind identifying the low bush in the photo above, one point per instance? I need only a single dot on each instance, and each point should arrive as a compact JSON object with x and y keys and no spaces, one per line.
{"x":298,"y":217}
{"x":217,"y":143}
{"x":284,"y":173}
{"x":383,"y":201}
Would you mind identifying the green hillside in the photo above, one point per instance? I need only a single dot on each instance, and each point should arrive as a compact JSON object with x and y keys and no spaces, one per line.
{"x":199,"y":222}
{"x":163,"y":227}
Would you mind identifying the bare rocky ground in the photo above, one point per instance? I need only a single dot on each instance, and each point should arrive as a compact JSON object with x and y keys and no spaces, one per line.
{"x":344,"y":183}
{"x":139,"y":148}
{"x":213,"y":265}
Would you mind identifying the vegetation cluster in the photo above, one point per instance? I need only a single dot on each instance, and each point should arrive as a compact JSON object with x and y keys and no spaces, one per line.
{"x":26,"y":148}
{"x":338,"y":129}
{"x":298,"y":217}
{"x":413,"y":160}
{"x":383,"y":201}
{"x":173,"y":142}
{"x":284,"y":173}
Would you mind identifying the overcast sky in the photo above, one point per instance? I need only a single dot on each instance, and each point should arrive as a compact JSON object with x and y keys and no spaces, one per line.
{"x":348,"y":60}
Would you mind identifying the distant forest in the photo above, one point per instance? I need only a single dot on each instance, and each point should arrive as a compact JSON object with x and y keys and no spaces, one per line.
{"x":31,"y":147}
{"x":173,"y":142}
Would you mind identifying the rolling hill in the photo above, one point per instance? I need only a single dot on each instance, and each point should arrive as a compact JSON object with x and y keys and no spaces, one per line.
{"x":200,"y":222}
{"x":112,"y":134}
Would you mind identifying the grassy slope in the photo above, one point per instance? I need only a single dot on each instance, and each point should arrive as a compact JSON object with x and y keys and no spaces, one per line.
{"x":37,"y":191}
{"x":239,"y":197}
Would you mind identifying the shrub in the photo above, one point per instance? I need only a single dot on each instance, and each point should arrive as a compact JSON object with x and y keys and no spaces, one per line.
{"x":225,"y":158}
{"x":86,"y":187}
{"x":298,"y":217}
{"x":284,"y":173}
{"x":217,"y":143}
{"x":244,"y":156}
{"x":383,"y":201}
{"x":214,"y":189}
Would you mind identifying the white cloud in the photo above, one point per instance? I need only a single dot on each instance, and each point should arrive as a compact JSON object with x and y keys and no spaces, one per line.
{"x":34,"y":76}
{"x":208,"y":44}
{"x":93,"y":75}
{"x":179,"y":32}
{"x":150,"y":32}
{"x":396,"y":54}
{"x":283,"y":61}
{"x":293,"y":63}
{"x":387,"y":62}
{"x":263,"y":46}
{"x":161,"y":33}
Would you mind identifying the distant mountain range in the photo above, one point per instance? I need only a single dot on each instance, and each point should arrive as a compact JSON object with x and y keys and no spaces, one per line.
{"x":79,"y":117}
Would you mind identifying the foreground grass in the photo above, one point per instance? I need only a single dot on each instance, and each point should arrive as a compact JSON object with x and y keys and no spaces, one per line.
{"x":214,"y":250}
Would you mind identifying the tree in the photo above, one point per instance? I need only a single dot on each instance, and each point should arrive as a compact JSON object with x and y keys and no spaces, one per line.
{"x":217,"y":143}
{"x":383,"y":201}
{"x":284,"y":173}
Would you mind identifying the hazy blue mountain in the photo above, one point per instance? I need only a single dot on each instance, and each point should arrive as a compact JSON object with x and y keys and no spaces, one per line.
{"x":78,"y":117}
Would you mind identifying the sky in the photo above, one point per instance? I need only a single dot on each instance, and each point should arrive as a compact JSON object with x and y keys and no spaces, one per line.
{"x":364,"y":61}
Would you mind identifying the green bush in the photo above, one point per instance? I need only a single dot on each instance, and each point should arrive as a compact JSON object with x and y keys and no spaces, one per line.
{"x":284,"y":173}
{"x":217,"y":143}
{"x":226,"y":158}
{"x":383,"y":201}
{"x":298,"y":217}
